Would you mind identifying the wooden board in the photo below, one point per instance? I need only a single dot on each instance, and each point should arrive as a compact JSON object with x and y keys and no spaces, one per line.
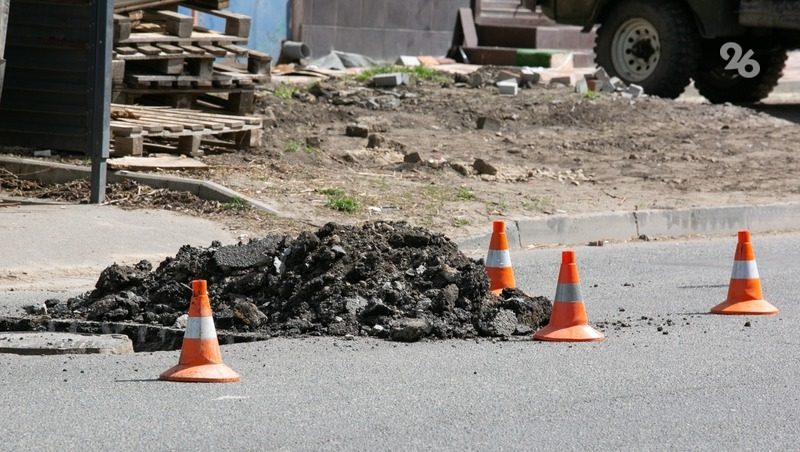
{"x":198,"y":37}
{"x":151,"y":163}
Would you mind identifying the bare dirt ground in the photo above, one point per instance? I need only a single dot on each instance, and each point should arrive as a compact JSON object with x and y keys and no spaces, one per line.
{"x":554,"y":151}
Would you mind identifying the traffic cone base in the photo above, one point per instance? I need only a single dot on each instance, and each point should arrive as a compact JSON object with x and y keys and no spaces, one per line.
{"x":752,"y":307}
{"x":204,"y":373}
{"x":577,"y":333}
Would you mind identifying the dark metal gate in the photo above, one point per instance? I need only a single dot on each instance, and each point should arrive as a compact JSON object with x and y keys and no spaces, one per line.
{"x":57,"y":84}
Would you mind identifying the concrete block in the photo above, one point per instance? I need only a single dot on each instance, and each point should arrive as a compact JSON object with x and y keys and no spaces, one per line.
{"x":582,"y":86}
{"x":508,"y":87}
{"x":618,"y":84}
{"x":633,"y":90}
{"x":390,"y":80}
{"x":410,"y":61}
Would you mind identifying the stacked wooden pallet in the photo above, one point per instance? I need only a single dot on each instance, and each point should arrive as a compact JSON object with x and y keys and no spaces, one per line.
{"x":162,"y":57}
{"x":186,"y":129}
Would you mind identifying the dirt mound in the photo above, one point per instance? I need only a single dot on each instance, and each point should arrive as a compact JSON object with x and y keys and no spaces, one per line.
{"x":381,"y":279}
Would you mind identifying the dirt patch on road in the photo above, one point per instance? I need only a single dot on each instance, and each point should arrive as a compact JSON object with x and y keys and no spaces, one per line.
{"x":381,"y":279}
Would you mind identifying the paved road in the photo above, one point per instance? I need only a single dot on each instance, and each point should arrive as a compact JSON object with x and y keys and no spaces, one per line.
{"x":710,"y":384}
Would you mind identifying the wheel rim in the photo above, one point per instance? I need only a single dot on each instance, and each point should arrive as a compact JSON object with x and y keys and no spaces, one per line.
{"x":635,"y":50}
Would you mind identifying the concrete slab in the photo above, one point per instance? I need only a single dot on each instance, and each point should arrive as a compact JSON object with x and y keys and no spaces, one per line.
{"x":64,"y":344}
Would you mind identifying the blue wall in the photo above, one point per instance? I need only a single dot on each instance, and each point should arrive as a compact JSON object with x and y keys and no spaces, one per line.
{"x":270,"y":23}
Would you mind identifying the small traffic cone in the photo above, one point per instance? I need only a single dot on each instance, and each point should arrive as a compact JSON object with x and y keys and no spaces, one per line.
{"x":498,"y":261}
{"x":744,"y":292}
{"x":568,"y":320}
{"x":200,"y":361}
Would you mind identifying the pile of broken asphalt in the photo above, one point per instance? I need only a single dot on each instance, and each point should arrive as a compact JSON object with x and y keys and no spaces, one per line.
{"x":381,"y":279}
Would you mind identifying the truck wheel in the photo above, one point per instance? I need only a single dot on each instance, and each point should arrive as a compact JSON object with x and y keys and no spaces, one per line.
{"x":719,"y":85}
{"x":651,"y":43}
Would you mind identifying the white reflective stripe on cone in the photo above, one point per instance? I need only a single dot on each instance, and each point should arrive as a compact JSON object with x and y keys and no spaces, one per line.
{"x":498,"y":259}
{"x":744,"y":270}
{"x":200,"y":328}
{"x":568,"y":293}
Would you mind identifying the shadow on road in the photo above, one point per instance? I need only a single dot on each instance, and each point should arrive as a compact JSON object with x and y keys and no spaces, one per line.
{"x":788,"y":111}
{"x":137,"y":380}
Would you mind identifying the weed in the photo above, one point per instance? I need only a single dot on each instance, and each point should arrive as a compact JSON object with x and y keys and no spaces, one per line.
{"x":420,"y":72}
{"x":292,"y":147}
{"x":339,"y":200}
{"x":236,"y":204}
{"x":285,"y":90}
{"x":465,"y":194}
{"x":460,"y":222}
{"x":592,"y":94}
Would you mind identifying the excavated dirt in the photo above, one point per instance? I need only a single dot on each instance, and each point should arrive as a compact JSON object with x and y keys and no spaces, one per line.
{"x":381,"y":279}
{"x":546,"y":151}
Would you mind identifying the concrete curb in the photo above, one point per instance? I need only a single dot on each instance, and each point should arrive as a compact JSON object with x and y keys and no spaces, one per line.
{"x":59,"y":173}
{"x":584,"y":228}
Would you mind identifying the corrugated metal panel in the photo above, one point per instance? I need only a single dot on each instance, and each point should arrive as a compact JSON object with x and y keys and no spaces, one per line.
{"x":270,"y":23}
{"x":50,"y":74}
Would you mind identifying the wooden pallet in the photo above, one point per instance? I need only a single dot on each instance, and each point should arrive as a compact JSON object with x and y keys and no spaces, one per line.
{"x":130,"y":125}
{"x":236,"y":100}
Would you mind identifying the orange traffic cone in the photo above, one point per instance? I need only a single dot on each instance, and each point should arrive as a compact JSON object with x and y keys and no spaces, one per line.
{"x":744,"y":292}
{"x":498,"y":261}
{"x":200,"y":361}
{"x":568,"y":320}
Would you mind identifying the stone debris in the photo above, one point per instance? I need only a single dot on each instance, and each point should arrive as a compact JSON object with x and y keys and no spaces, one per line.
{"x":390,"y":80}
{"x":357,"y":130}
{"x":487,"y":123}
{"x":509,"y":87}
{"x":382,"y":279}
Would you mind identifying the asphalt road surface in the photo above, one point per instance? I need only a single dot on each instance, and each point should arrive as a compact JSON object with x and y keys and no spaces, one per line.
{"x":711,"y":383}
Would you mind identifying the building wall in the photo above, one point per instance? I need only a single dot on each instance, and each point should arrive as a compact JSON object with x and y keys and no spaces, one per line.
{"x":380,"y":28}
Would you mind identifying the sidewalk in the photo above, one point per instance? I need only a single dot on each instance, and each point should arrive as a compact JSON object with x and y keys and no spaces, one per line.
{"x":52,"y":250}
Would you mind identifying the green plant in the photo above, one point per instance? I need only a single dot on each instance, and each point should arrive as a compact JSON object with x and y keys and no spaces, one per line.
{"x":420,"y":72}
{"x":592,"y":94}
{"x":339,"y":200}
{"x":460,"y":222}
{"x":465,"y":194}
{"x":292,"y":147}
{"x":236,"y":204}
{"x":285,"y":90}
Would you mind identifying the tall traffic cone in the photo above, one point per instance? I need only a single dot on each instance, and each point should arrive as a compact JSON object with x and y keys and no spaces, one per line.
{"x":498,"y":261}
{"x":568,"y":320}
{"x":744,"y":292}
{"x":200,"y":361}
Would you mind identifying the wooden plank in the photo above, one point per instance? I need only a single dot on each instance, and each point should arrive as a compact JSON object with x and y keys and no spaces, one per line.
{"x":151,"y":163}
{"x":468,"y":29}
{"x":126,"y":50}
{"x":169,"y":48}
{"x":193,"y":49}
{"x":234,"y":49}
{"x":198,"y":37}
{"x":148,"y":49}
{"x":175,"y":23}
{"x":214,"y":50}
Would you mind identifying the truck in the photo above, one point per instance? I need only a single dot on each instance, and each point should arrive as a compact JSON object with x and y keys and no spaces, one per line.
{"x":734,"y":50}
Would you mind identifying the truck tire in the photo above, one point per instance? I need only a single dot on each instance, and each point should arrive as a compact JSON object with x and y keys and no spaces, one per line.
{"x":719,"y":85}
{"x":651,"y":43}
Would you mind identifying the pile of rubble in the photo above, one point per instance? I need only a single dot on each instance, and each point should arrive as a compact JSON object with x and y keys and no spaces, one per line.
{"x":381,"y":279}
